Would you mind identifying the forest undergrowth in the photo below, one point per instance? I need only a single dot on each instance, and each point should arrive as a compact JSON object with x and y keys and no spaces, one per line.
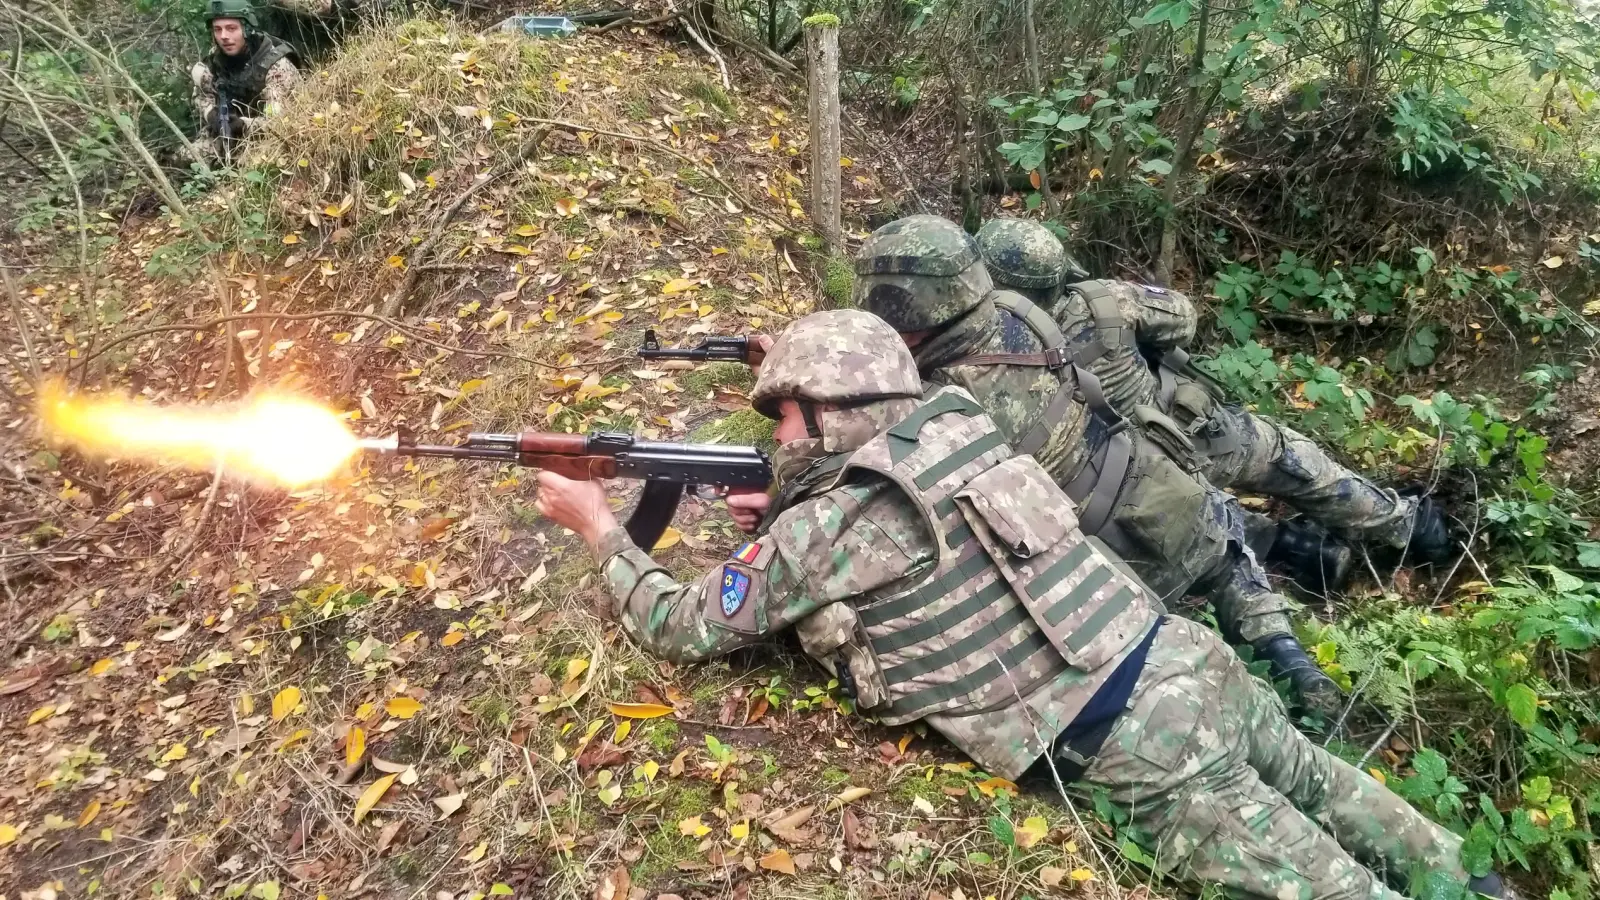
{"x":397,"y":683}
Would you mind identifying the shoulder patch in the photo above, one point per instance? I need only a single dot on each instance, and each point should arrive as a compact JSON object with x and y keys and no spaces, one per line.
{"x":754,"y":554}
{"x":735,"y":590}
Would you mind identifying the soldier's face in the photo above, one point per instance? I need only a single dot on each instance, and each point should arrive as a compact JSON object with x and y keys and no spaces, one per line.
{"x":229,"y":35}
{"x":791,"y":424}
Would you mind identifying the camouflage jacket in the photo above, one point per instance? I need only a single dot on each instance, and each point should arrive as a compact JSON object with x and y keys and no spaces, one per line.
{"x":277,"y":84}
{"x":862,"y":541}
{"x":1016,"y":396}
{"x":1144,"y":320}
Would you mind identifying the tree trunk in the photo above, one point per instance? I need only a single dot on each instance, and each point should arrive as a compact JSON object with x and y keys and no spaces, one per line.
{"x":1180,"y":159}
{"x":1030,"y":40}
{"x":822,"y":76}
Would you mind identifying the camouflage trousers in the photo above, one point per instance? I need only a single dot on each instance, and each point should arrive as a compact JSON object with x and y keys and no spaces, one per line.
{"x":1182,"y":536}
{"x":1275,"y":461}
{"x":1230,"y":793}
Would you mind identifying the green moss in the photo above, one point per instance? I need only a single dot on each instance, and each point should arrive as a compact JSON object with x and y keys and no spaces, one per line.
{"x":637,"y":110}
{"x":822,"y":20}
{"x":711,"y":93}
{"x":746,"y":427}
{"x":662,"y":849}
{"x":702,"y":380}
{"x":492,"y":711}
{"x":833,"y":776}
{"x":839,"y":282}
{"x":663,"y":736}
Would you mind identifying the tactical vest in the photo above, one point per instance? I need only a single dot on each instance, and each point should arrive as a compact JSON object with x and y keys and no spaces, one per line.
{"x":1018,"y":596}
{"x":1185,"y":396}
{"x":243,"y":86}
{"x":1098,"y":484}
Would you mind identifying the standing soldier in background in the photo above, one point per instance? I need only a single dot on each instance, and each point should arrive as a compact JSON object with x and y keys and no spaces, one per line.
{"x":1132,"y":337}
{"x":943,"y":578}
{"x":248,"y":75}
{"x":925,"y":277}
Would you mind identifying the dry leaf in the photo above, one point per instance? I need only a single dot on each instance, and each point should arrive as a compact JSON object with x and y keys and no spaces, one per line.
{"x":989,"y":786}
{"x":678,"y":286}
{"x":778,"y":861}
{"x":1553,"y":262}
{"x":448,"y":804}
{"x":174,"y":634}
{"x":89,"y":812}
{"x":1081,"y":875}
{"x":284,"y":703}
{"x":788,"y":827}
{"x":402,"y":707}
{"x":849,"y":795}
{"x":1051,"y":876}
{"x":922,"y":805}
{"x":1031,"y":832}
{"x":355,"y":745}
{"x":476,"y":853}
{"x":640,"y":710}
{"x":669,"y":536}
{"x":452,"y":638}
{"x":102,"y":666}
{"x":692,"y":827}
{"x":576,"y":667}
{"x":370,"y":797}
{"x":615,"y":885}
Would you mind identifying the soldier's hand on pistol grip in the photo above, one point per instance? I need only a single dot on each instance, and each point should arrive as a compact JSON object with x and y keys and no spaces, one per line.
{"x":748,"y":507}
{"x":763,"y":343}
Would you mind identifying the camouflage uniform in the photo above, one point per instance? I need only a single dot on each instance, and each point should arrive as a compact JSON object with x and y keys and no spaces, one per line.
{"x":1113,"y":325}
{"x":942,"y":578}
{"x":255,"y":85}
{"x":1177,"y":532}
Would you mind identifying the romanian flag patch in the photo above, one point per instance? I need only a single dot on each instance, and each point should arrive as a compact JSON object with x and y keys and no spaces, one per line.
{"x":747,"y":552}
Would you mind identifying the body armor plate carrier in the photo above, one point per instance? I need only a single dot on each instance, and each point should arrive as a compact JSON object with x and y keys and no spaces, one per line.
{"x":1018,"y":594}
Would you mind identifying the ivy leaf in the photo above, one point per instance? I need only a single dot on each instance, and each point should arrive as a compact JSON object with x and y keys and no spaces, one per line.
{"x":1156,"y":166}
{"x":1430,"y":764}
{"x":1523,"y":704}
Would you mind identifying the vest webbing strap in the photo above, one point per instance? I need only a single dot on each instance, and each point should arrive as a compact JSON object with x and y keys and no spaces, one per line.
{"x":996,"y":669}
{"x":937,"y":472}
{"x":1078,"y":596}
{"x":1102,"y":617}
{"x":959,"y":649}
{"x":927,"y":628}
{"x":905,"y":604}
{"x":1038,"y":321}
{"x":1097,"y":487}
{"x":903,"y":436}
{"x":1110,"y":330}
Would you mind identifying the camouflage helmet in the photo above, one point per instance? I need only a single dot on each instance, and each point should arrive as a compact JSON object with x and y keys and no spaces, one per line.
{"x":920,"y":272}
{"x":1021,"y":253}
{"x":243,"y":10}
{"x":840,"y":357}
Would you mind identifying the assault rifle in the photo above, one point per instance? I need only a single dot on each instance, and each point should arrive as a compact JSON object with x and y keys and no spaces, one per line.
{"x":225,"y":124}
{"x":665,"y":468}
{"x":736,"y":348}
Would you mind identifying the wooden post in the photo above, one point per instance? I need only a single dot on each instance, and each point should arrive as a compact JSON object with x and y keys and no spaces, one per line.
{"x":822,"y":78}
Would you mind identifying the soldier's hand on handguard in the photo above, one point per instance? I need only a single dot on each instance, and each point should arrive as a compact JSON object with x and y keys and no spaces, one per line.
{"x":578,"y":505}
{"x":748,"y":506}
{"x":763,"y":342}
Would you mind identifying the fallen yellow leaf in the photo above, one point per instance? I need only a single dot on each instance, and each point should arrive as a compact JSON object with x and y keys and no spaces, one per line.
{"x":452,"y":638}
{"x":402,"y":707}
{"x":370,"y":797}
{"x":669,"y":536}
{"x":778,"y":860}
{"x":1033,"y":830}
{"x":623,"y":728}
{"x":576,"y":667}
{"x":284,"y":703}
{"x":678,"y":286}
{"x":1081,"y":874}
{"x":175,"y":753}
{"x":8,"y":833}
{"x":692,"y":827}
{"x":740,"y":830}
{"x":102,"y":666}
{"x":40,"y":714}
{"x":89,"y":812}
{"x":640,"y":710}
{"x":355,"y":746}
{"x":849,"y":795}
{"x":476,"y":853}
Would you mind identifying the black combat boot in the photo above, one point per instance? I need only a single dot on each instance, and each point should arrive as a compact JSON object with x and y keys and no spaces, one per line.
{"x":1491,"y":885}
{"x":1317,"y":692}
{"x":1430,"y":536}
{"x":1317,"y":561}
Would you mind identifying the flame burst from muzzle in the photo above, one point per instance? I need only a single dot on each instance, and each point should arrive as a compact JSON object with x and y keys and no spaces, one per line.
{"x":271,"y":438}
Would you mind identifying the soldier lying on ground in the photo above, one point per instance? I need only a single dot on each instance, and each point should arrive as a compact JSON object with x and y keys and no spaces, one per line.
{"x":923,"y":275}
{"x":939,"y":576}
{"x":248,"y":74}
{"x":1115,"y":329}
